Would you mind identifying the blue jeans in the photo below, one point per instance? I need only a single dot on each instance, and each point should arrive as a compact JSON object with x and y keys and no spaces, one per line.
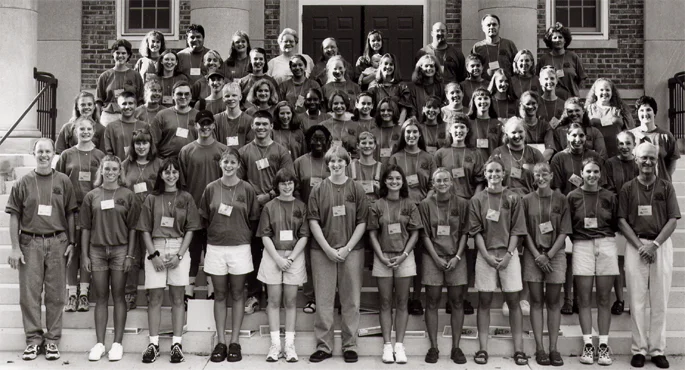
{"x":45,"y":270}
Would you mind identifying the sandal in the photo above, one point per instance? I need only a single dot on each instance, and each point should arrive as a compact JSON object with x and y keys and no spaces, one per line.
{"x":310,"y":307}
{"x":219,"y":353}
{"x":234,"y":354}
{"x":481,"y":357}
{"x":618,"y":307}
{"x":542,"y":358}
{"x":567,"y":308}
{"x":555,"y":358}
{"x":521,"y":359}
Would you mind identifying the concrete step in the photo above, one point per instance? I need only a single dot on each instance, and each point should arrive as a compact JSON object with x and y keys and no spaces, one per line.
{"x":16,"y":160}
{"x":678,"y":174}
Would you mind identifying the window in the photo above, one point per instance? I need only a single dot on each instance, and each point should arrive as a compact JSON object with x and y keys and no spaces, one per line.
{"x":135,"y":18}
{"x":587,"y":19}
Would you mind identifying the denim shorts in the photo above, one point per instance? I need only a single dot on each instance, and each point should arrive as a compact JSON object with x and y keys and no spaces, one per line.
{"x":107,"y":258}
{"x":435,"y":276}
{"x":406,"y":269}
{"x":533,"y":274}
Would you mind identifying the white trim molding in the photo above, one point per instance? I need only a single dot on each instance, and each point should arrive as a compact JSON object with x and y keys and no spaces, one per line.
{"x":603,"y":34}
{"x":175,"y":23}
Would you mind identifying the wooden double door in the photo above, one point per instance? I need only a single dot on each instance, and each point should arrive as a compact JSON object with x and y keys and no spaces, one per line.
{"x":401,"y":27}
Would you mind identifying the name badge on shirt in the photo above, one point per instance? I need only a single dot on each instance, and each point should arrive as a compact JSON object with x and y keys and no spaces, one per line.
{"x":118,"y":92}
{"x":576,"y":180}
{"x":386,"y":152}
{"x":140,"y":187}
{"x":539,"y":147}
{"x":83,"y":175}
{"x":338,"y":211}
{"x":413,"y":180}
{"x":516,"y":173}
{"x":299,"y":103}
{"x":443,"y":230}
{"x":107,"y":204}
{"x":337,"y":143}
{"x":492,"y":215}
{"x":546,"y":227}
{"x":554,"y":122}
{"x":482,"y":143}
{"x":458,"y":172}
{"x":493,"y":65}
{"x":394,"y":228}
{"x":367,"y":185}
{"x":167,"y":100}
{"x":607,"y":120}
{"x":590,"y":222}
{"x":315,"y":181}
{"x":286,"y":235}
{"x":232,"y":141}
{"x":225,"y":209}
{"x":644,"y":210}
{"x":195,"y":71}
{"x":167,"y":221}
{"x":431,"y":149}
{"x":262,"y":163}
{"x":182,"y":132}
{"x":44,"y":210}
{"x":560,"y":73}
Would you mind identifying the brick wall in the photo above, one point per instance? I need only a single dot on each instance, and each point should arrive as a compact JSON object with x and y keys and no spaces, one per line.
{"x":624,"y":65}
{"x":98,"y":28}
{"x":272,"y":27}
{"x":453,"y":22}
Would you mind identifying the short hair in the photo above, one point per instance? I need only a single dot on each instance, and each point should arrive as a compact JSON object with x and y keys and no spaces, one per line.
{"x":644,"y":146}
{"x":149,"y":84}
{"x":251,"y":53}
{"x":355,"y":111}
{"x":298,"y":56}
{"x":337,"y":151}
{"x":393,"y":107}
{"x":215,"y":54}
{"x":494,"y":159}
{"x":404,"y":190}
{"x":473,"y":111}
{"x":557,"y":27}
{"x":98,"y":175}
{"x":491,"y":16}
{"x":142,"y":135}
{"x":341,"y":94}
{"x":417,"y":76}
{"x":646,"y":100}
{"x":178,"y":84}
{"x":310,"y":132}
{"x":231,"y":86}
{"x":591,"y":160}
{"x":273,"y":92}
{"x":473,"y":57}
{"x":195,"y":28}
{"x":159,"y":64}
{"x":231,"y":152}
{"x":396,"y":74}
{"x":520,"y":54}
{"x":144,"y":49}
{"x":513,"y":121}
{"x":128,"y":95}
{"x":263,"y":114}
{"x":43,"y":140}
{"x":626,"y":133}
{"x":542,"y":166}
{"x":284,"y":175}
{"x":286,"y":32}
{"x":365,"y":135}
{"x":462,"y":119}
{"x":158,"y":187}
{"x":127,"y":45}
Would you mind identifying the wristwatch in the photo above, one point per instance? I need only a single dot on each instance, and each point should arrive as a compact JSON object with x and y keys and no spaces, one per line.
{"x":656,"y":243}
{"x":511,"y":253}
{"x":180,"y":257}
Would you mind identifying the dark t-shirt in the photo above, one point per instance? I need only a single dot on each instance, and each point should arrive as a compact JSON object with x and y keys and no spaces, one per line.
{"x":601,"y":205}
{"x":109,"y":227}
{"x":165,"y":127}
{"x":75,"y":163}
{"x":660,"y":195}
{"x":470,"y":160}
{"x":552,"y":209}
{"x":453,"y":212}
{"x":178,"y":205}
{"x":200,"y":166}
{"x":511,"y":220}
{"x":278,"y":216}
{"x":385,"y":213}
{"x":230,"y":230}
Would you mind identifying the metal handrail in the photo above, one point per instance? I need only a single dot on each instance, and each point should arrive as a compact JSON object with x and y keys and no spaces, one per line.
{"x":26,"y":111}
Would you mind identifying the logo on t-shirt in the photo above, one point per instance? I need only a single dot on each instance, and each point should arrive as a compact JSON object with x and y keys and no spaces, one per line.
{"x":273,"y":158}
{"x":297,"y":213}
{"x":454,"y":212}
{"x":57,"y":191}
{"x":240,"y":198}
{"x":502,"y":52}
{"x":659,"y":197}
{"x":350,"y":198}
{"x":468,"y":159}
{"x":405,"y":212}
{"x":241,"y":130}
{"x":425,"y":165}
{"x":492,"y":130}
{"x":120,"y":202}
{"x":180,"y":204}
{"x":94,"y":163}
{"x":556,"y":210}
{"x":567,"y":65}
{"x":505,"y":204}
{"x":606,"y":204}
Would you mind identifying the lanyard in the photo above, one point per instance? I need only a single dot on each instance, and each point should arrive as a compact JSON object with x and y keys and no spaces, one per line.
{"x":52,"y":179}
{"x":447,"y":213}
{"x":140,"y":170}
{"x":596,"y":203}
{"x":281,"y":207}
{"x":221,"y":193}
{"x":651,"y":197}
{"x":549,"y":214}
{"x":406,"y":167}
{"x":463,"y":155}
{"x":178,"y":122}
{"x":501,"y":195}
{"x":387,"y":208}
{"x":171,"y":205}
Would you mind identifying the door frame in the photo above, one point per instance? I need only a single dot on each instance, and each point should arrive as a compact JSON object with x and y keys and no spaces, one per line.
{"x":302,"y":3}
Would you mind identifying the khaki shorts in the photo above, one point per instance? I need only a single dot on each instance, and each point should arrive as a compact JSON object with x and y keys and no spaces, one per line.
{"x":270,"y":274}
{"x":596,"y":257}
{"x":228,"y":260}
{"x":435,"y":276}
{"x":405,"y":269}
{"x":175,"y":277}
{"x":533,"y":274}
{"x":488,"y":278}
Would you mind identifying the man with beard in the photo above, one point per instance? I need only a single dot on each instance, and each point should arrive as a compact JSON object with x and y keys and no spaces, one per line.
{"x":450,"y":58}
{"x":174,"y":127}
{"x":119,"y":133}
{"x":647,"y":215}
{"x":190,"y":59}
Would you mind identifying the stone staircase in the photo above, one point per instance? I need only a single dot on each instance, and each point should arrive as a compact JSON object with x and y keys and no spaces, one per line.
{"x":79,"y":333}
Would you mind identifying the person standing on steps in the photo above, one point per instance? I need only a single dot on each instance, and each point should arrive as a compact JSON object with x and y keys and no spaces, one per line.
{"x":41,"y":207}
{"x":450,"y":57}
{"x":190,"y":59}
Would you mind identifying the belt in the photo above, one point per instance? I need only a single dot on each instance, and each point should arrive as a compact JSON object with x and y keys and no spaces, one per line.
{"x":649,"y":237}
{"x":48,"y":235}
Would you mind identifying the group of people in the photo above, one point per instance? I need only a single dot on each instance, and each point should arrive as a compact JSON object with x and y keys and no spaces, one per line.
{"x":476,"y":172}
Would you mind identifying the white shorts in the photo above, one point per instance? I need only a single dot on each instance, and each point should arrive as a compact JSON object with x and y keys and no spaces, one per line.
{"x":621,"y":243}
{"x":596,"y":257}
{"x":270,"y":274}
{"x":406,"y":269}
{"x":224,"y":260}
{"x":177,"y":276}
{"x":489,"y":278}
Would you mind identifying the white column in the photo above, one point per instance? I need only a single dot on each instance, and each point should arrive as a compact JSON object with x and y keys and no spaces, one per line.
{"x":221,"y":18}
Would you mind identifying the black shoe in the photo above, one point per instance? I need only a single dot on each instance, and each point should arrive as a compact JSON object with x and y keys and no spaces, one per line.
{"x":415,"y":307}
{"x":618,"y":307}
{"x":151,"y":353}
{"x":432,"y":355}
{"x":637,"y":360}
{"x":319,"y":356}
{"x":448,"y":308}
{"x":234,"y":352}
{"x":468,"y":308}
{"x":351,"y":356}
{"x":220,"y":353}
{"x":660,"y":361}
{"x":177,"y":353}
{"x":458,"y":356}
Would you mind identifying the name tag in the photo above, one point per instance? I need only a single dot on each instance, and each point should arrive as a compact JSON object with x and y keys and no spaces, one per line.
{"x":337,"y":143}
{"x":118,"y":92}
{"x":607,"y":120}
{"x":413,"y":180}
{"x":482,"y":143}
{"x":167,"y":100}
{"x":560,"y":73}
{"x":300,"y":101}
{"x":576,"y":180}
{"x":432,"y":149}
{"x":232,"y":141}
{"x":539,"y":147}
{"x":182,"y":132}
{"x":590,"y":222}
{"x":44,"y":210}
{"x":516,"y":173}
{"x":546,"y":227}
{"x":83,"y":176}
{"x":386,"y":152}
{"x":107,"y":204}
{"x":502,"y":120}
{"x":195,"y":71}
{"x":225,"y":209}
{"x":394,"y":228}
{"x":493,"y":65}
{"x":492,"y":215}
{"x":458,"y":172}
{"x":554,"y":122}
{"x":262,"y":163}
{"x":140,"y":187}
{"x":315,"y":181}
{"x":126,"y":148}
{"x":338,"y":211}
{"x":286,"y":235}
{"x":644,"y":210}
{"x":367,"y":185}
{"x":443,"y":230}
{"x":167,"y":221}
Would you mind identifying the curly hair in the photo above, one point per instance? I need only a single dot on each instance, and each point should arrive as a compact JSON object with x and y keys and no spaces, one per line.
{"x":557,"y":27}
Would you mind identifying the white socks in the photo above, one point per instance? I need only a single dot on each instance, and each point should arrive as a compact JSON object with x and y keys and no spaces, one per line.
{"x":84,"y":288}
{"x":276,"y":337}
{"x":289,"y":337}
{"x":175,"y":340}
{"x":154,"y":340}
{"x":587,"y":338}
{"x":190,"y":288}
{"x":603,"y":339}
{"x":71,"y":290}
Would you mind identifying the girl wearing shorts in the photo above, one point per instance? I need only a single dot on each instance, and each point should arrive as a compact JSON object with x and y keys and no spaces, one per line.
{"x":544,"y":266}
{"x":595,"y":259}
{"x":230,"y":212}
{"x":394,"y":225}
{"x":497,"y":223}
{"x":167,"y":220}
{"x":518,"y":158}
{"x":108,"y":218}
{"x":445,"y":232}
{"x":284,"y":231}
{"x":84,"y":106}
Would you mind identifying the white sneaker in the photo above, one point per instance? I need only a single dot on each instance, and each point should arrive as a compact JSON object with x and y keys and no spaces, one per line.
{"x":604,"y":355}
{"x":116,"y":352}
{"x":588,"y":356}
{"x":96,"y":352}
{"x":400,"y":354}
{"x":274,"y":353}
{"x":525,"y":307}
{"x":290,"y":353}
{"x":505,"y":309}
{"x":388,"y":355}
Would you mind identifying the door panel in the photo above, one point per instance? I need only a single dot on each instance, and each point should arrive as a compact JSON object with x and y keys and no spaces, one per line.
{"x":340,"y":22}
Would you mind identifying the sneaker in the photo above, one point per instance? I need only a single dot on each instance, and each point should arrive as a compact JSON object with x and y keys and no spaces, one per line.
{"x":72,"y":302}
{"x":251,"y":305}
{"x":432,"y":355}
{"x":31,"y":352}
{"x":151,"y":353}
{"x":525,"y":307}
{"x":177,"y":353}
{"x":400,"y":354}
{"x":588,"y":356}
{"x":618,"y":307}
{"x":83,"y":303}
{"x":290,"y":353}
{"x":505,"y":310}
{"x":130,"y":302}
{"x":604,"y":355}
{"x":274,"y":353}
{"x":116,"y":352}
{"x":388,"y":356}
{"x":96,"y":352}
{"x":51,"y":352}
